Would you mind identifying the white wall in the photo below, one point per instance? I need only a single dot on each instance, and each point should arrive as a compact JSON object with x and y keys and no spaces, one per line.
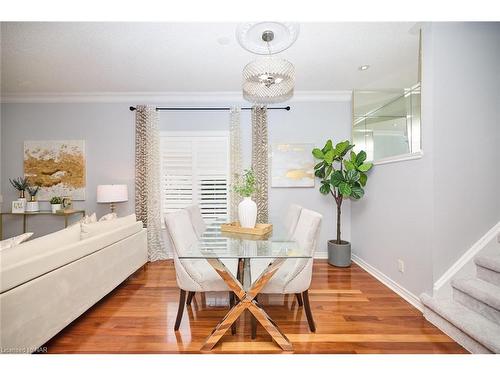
{"x":428,"y":212}
{"x":108,"y":130}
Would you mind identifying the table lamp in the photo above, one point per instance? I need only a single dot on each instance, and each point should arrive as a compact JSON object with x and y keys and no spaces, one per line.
{"x":112,"y":194}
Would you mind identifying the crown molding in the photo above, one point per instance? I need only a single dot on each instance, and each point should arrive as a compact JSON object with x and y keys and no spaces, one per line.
{"x":163,"y":97}
{"x":322,"y":96}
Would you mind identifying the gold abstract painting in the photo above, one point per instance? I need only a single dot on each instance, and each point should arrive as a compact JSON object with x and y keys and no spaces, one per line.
{"x":58,"y":167}
{"x":292,"y":165}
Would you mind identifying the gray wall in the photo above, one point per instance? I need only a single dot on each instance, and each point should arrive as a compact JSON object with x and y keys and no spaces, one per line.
{"x":108,"y":130}
{"x":466,"y":115}
{"x":109,"y":140}
{"x":305,"y":123}
{"x":394,"y":219}
{"x":1,"y":197}
{"x":428,"y":212}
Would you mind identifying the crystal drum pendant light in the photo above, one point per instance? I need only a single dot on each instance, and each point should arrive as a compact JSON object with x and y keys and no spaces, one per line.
{"x":268,"y":79}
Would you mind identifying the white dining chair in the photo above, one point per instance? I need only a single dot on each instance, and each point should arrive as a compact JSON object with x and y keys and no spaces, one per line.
{"x":197,"y":221}
{"x":291,"y":218}
{"x":192,"y":275}
{"x":294,"y":276}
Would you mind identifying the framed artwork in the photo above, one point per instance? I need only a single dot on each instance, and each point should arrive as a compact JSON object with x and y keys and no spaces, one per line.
{"x":58,"y":167}
{"x":292,"y":165}
{"x":18,"y":207}
{"x":67,"y":203}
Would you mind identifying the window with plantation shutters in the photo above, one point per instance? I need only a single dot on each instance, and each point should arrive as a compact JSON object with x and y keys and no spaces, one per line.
{"x":195,"y":170}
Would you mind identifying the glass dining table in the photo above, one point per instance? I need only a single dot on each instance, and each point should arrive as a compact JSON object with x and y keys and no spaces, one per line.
{"x":216,"y":247}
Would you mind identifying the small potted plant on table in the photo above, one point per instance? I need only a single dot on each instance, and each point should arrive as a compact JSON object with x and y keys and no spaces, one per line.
{"x":55,"y":204}
{"x":342,"y":178}
{"x":247,"y":209}
{"x":32,"y":205}
{"x":20,"y":184}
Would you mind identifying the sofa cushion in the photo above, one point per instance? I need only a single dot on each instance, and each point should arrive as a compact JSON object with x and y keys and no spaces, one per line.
{"x":16,"y":270}
{"x":94,"y":229}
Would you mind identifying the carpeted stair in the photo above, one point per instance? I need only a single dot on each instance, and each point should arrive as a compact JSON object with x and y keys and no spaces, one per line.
{"x":488,"y":268}
{"x":472,"y":315}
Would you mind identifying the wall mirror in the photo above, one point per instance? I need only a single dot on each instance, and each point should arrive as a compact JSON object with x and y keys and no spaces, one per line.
{"x":386,"y":123}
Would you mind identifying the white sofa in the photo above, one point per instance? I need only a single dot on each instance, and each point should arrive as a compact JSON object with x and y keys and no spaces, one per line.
{"x":50,"y":281}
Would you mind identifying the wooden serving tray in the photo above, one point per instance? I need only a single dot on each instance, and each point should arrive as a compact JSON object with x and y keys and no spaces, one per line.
{"x":259,"y":230}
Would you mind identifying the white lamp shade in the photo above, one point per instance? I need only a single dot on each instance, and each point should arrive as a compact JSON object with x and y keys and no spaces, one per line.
{"x":112,"y":193}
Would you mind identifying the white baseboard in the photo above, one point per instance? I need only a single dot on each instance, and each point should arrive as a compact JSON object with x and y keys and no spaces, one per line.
{"x":466,"y":257}
{"x":320,"y":255}
{"x":391,"y":284}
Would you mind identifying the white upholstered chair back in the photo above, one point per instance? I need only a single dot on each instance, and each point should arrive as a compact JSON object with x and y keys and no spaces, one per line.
{"x":197,"y":221}
{"x":183,"y":236}
{"x":181,"y":230}
{"x":307,"y":230}
{"x":306,"y":235}
{"x":291,"y":218}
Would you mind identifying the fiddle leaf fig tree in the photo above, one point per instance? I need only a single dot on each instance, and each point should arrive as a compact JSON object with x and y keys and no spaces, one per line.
{"x":342,"y":173}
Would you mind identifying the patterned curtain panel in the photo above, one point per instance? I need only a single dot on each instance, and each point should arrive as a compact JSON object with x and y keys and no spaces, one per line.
{"x":260,"y":163}
{"x":234,"y":159}
{"x":147,"y":178}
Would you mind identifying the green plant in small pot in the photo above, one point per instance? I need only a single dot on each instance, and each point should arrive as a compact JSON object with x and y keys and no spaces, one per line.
{"x":55,"y":204}
{"x":20,"y":184}
{"x":245,"y":186}
{"x":343,"y":175}
{"x":32,"y":205}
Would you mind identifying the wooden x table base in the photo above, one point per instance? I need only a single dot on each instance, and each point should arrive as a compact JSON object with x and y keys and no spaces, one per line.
{"x":246,"y":302}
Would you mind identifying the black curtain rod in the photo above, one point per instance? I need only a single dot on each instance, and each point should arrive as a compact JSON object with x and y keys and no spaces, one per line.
{"x":206,"y":108}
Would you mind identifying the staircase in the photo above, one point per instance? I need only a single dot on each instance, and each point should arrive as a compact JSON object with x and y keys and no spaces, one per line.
{"x":472,"y":315}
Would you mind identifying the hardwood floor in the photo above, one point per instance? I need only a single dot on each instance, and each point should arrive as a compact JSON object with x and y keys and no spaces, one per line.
{"x":354,"y":313}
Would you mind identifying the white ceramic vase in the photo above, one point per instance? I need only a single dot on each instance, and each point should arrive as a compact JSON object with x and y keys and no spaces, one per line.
{"x":247,"y":213}
{"x":32,"y":206}
{"x":55,"y":208}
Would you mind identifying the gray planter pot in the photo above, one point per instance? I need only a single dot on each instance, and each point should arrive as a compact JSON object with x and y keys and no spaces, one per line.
{"x":339,"y":255}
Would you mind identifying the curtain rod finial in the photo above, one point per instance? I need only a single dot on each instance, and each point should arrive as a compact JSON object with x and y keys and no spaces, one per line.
{"x":287,"y":108}
{"x":131,"y":108}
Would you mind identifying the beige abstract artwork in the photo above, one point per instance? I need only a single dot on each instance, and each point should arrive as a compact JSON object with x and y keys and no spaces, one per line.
{"x":292,"y":165}
{"x":58,"y":167}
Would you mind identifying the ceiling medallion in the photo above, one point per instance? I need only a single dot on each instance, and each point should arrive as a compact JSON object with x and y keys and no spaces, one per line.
{"x":250,"y":34}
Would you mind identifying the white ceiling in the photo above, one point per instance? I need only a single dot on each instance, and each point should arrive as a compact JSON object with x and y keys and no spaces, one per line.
{"x":188,"y":57}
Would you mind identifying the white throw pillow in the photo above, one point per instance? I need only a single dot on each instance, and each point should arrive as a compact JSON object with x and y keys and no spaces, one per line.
{"x":89,"y":219}
{"x":14,"y":241}
{"x":107,"y":217}
{"x":94,"y":229}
